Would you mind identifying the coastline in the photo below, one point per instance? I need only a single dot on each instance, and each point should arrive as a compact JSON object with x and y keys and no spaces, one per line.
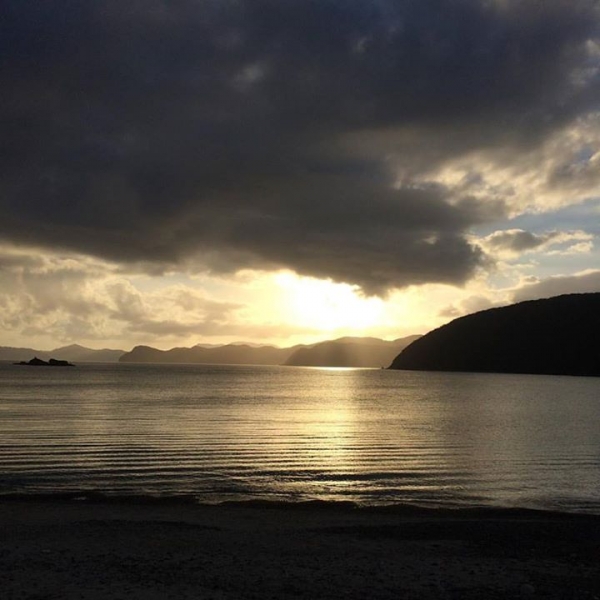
{"x":101,"y":549}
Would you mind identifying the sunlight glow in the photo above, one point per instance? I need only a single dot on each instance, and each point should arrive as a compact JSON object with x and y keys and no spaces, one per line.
{"x":326,"y":305}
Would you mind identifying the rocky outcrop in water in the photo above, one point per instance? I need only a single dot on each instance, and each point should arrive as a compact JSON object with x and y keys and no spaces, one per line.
{"x":38,"y":362}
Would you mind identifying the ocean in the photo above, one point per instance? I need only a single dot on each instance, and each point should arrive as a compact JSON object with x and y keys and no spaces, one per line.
{"x":215,"y":433}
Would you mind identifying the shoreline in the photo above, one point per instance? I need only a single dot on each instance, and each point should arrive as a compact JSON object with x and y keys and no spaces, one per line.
{"x":99,"y":549}
{"x":269,"y":503}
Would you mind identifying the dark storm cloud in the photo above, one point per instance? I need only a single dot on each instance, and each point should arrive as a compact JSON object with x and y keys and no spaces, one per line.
{"x":216,"y":131}
{"x":518,"y":241}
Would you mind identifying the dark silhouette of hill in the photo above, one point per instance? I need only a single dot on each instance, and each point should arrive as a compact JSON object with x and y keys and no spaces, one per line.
{"x":554,"y":336}
{"x":350,"y":352}
{"x":232,"y":354}
{"x":74,"y":352}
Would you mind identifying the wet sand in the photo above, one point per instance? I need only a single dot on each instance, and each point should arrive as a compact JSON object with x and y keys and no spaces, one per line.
{"x":111,"y":550}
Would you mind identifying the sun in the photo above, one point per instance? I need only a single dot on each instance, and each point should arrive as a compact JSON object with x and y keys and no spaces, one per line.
{"x":325,"y":305}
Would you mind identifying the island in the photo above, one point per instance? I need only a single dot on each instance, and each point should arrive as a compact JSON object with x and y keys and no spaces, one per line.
{"x":551,"y":336}
{"x":38,"y":362}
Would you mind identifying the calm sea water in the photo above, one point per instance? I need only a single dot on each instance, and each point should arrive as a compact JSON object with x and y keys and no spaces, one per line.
{"x":374,"y":437}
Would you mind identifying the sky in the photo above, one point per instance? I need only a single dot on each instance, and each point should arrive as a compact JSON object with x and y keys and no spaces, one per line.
{"x":288,"y":171}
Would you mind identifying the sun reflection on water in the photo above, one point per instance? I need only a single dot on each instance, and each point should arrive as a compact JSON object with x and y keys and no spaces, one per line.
{"x":372,"y":436}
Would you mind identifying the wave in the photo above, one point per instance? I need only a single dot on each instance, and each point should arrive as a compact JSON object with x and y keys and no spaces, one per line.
{"x":401,"y":510}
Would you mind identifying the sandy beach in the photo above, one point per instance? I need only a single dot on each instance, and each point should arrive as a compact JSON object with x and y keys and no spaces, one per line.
{"x":98,"y":550}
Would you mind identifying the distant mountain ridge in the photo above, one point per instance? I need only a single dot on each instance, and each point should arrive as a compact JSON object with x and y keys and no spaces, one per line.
{"x":72,"y":353}
{"x":350,"y":352}
{"x":233,"y":354}
{"x":553,"y":336}
{"x":344,"y":352}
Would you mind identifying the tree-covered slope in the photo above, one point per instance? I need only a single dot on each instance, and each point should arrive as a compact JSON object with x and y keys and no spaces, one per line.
{"x":558,"y":336}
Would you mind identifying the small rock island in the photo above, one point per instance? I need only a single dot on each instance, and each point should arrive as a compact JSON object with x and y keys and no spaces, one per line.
{"x":38,"y":362}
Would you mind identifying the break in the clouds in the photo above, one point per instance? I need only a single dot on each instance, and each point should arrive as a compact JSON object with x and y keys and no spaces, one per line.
{"x":358,"y":141}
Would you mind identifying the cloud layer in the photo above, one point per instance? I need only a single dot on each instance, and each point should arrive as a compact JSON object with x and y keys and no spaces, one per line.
{"x":357,"y":141}
{"x":510,"y":243}
{"x":52,"y":297}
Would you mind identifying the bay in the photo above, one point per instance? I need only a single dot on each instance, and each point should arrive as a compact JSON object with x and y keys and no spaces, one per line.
{"x":214,"y":433}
